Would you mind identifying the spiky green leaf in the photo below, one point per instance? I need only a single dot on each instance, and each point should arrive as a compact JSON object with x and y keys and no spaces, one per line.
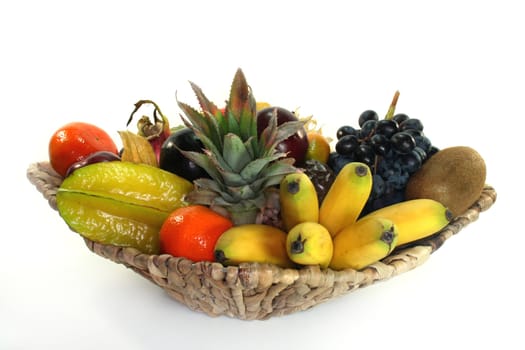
{"x":239,"y":101}
{"x":206,"y":105}
{"x":249,"y":144}
{"x":208,"y":184}
{"x":284,"y":131}
{"x":204,"y":162}
{"x":232,"y":179}
{"x":194,"y":117}
{"x":274,"y":173}
{"x":254,"y":168}
{"x":216,"y":134}
{"x":235,"y":153}
{"x":268,"y":136}
{"x":233,"y":124}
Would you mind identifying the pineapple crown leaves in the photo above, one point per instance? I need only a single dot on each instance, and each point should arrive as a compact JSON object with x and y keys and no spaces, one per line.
{"x":234,"y":155}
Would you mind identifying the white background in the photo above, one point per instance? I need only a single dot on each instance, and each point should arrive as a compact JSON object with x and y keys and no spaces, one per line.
{"x":458,"y":66}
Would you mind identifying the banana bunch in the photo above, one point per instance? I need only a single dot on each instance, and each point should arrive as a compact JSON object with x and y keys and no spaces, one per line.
{"x":356,"y":242}
{"x":331,"y":234}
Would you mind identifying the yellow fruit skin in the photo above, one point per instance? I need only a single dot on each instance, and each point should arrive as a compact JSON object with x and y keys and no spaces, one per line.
{"x":415,"y":219}
{"x":252,"y":243}
{"x":363,"y":243}
{"x":298,"y":200}
{"x":310,"y":243}
{"x":121,"y":203}
{"x":318,"y":147}
{"x":346,"y":197}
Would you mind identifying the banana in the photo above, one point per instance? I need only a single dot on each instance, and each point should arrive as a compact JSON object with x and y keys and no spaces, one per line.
{"x":298,"y":199}
{"x":252,"y":243}
{"x":346,"y":197}
{"x":363,"y":243}
{"x":310,"y":243}
{"x":415,"y":219}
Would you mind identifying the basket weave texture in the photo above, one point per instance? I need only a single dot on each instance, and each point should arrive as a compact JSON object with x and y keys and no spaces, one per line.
{"x":259,"y":291}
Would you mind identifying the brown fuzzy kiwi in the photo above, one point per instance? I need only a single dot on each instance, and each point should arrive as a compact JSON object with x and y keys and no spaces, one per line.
{"x":454,"y":176}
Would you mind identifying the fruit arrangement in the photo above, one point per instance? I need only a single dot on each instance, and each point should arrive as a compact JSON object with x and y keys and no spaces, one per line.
{"x":251,"y":183}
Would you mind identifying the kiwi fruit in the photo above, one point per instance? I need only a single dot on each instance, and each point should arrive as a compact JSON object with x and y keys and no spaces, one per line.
{"x":454,"y":176}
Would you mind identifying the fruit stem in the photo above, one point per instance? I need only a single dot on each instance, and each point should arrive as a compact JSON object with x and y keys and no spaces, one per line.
{"x":146,"y":128}
{"x":392,"y":108}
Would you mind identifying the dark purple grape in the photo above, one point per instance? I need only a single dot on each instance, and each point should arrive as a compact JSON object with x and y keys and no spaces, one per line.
{"x":421,"y":152}
{"x":367,"y":129}
{"x":336,"y":161}
{"x":97,"y":157}
{"x":433,"y":150}
{"x":403,"y":142}
{"x":365,"y":153}
{"x":400,"y":117}
{"x":387,"y":127}
{"x":346,"y":130}
{"x":378,"y":186}
{"x":423,"y":142}
{"x":411,"y":162}
{"x":367,"y":115}
{"x":380,"y":144}
{"x":347,"y":145}
{"x":411,"y":124}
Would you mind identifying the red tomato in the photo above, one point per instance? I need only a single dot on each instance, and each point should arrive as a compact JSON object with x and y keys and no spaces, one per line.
{"x":74,"y":142}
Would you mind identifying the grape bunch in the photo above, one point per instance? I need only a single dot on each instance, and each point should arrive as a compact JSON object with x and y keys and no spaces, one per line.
{"x":393,"y":148}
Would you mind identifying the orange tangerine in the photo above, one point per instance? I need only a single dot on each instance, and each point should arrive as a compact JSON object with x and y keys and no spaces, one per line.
{"x":192,"y":232}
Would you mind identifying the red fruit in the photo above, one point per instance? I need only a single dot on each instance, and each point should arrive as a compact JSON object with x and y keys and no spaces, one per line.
{"x":297,"y":144}
{"x":75,"y":141}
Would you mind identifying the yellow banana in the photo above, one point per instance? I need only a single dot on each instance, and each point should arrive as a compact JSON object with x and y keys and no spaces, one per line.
{"x":310,"y":243}
{"x":415,"y":219}
{"x":252,"y":243}
{"x":363,"y":243}
{"x":298,"y":199}
{"x":346,"y":197}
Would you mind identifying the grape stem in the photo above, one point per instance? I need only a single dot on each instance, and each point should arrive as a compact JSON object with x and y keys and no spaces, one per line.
{"x":392,"y":108}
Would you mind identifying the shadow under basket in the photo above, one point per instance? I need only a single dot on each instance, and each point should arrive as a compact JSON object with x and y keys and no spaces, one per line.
{"x":259,"y":291}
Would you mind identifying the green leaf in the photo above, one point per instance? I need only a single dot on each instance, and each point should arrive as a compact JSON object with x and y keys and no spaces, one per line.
{"x":249,"y":144}
{"x":273,"y":174}
{"x":205,"y":162}
{"x":252,"y":170}
{"x":232,"y":179}
{"x":215,"y":132}
{"x":235,"y":152}
{"x":207,"y":184}
{"x":284,"y":131}
{"x":243,"y":192}
{"x":238,"y":102}
{"x":233,"y":125}
{"x":213,"y":151}
{"x":268,"y":136}
{"x":196,"y":119}
{"x":222,"y":122}
{"x":206,"y":105}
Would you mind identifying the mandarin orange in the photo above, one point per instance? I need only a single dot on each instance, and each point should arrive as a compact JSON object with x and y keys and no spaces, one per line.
{"x":192,"y":232}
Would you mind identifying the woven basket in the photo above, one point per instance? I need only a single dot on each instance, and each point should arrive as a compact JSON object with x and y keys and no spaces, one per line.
{"x":259,"y":291}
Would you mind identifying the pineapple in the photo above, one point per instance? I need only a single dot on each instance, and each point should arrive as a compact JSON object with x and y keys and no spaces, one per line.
{"x":243,"y":166}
